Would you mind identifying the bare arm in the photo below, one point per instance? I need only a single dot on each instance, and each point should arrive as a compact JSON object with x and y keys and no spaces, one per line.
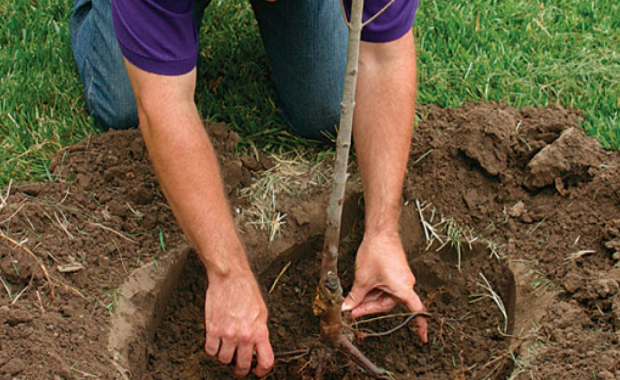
{"x":188,"y":172}
{"x":383,"y":124}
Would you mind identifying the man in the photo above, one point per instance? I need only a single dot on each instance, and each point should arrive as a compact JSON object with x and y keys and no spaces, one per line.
{"x":150,"y":81}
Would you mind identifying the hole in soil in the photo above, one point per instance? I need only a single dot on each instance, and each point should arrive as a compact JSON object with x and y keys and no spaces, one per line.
{"x":468,"y":339}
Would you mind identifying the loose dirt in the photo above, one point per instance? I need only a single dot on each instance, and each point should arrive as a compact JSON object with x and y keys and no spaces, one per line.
{"x":508,"y":191}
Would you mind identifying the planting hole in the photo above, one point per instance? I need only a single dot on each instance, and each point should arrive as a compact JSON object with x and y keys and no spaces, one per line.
{"x":472,"y":308}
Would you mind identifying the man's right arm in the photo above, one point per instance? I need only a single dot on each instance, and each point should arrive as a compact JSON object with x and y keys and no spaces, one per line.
{"x":187,"y":170}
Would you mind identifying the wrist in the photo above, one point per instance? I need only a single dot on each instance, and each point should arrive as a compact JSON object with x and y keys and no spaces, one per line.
{"x":382,"y":216}
{"x":382,"y":230}
{"x":385,"y":243}
{"x":230,"y":270}
{"x":224,"y":262}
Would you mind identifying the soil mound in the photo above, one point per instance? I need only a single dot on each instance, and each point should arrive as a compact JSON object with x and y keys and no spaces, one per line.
{"x":539,"y":196}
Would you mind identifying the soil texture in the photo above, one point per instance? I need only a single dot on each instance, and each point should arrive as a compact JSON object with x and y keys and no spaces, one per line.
{"x":516,"y":203}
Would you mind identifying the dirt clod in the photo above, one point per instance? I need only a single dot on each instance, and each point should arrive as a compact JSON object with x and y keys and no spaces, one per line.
{"x":13,"y":367}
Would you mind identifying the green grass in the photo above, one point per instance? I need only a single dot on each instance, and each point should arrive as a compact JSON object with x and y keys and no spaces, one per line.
{"x":522,"y":52}
{"x":41,"y":107}
{"x":528,"y":53}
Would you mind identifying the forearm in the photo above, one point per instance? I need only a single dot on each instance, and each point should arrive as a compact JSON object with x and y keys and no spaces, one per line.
{"x":189,"y":175}
{"x":383,"y":124}
{"x":188,"y":172}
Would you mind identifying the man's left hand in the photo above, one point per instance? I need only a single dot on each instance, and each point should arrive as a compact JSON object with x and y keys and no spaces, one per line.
{"x":382,"y":280}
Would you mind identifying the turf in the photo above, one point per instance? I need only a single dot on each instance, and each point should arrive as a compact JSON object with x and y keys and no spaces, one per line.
{"x":527,"y":53}
{"x":42,"y":108}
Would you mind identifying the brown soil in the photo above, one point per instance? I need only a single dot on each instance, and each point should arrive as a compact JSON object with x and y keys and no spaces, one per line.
{"x":527,"y":180}
{"x":467,"y":334}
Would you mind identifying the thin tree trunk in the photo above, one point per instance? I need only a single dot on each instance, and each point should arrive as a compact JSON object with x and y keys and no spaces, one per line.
{"x":329,"y":302}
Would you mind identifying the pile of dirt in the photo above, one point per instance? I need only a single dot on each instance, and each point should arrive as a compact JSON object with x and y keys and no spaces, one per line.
{"x":549,"y":197}
{"x":527,"y":183}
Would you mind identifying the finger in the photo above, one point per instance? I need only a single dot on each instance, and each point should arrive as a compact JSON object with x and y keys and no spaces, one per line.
{"x":373,"y":295}
{"x":415,"y":305}
{"x":227,"y":352}
{"x":356,"y":297}
{"x":264,"y":356}
{"x":212,"y":345}
{"x":383,"y":304}
{"x":243,"y":360}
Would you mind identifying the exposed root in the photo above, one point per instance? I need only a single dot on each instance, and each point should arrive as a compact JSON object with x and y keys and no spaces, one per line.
{"x":290,"y":356}
{"x":393,"y":330}
{"x":320,"y":356}
{"x":321,"y":353}
{"x":320,"y":368}
{"x":358,"y":357}
{"x":286,"y":357}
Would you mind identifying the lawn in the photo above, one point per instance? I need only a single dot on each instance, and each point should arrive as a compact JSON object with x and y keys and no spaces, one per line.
{"x":527,"y":53}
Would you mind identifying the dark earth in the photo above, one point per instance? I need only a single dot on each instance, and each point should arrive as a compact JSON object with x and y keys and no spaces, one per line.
{"x":520,"y":198}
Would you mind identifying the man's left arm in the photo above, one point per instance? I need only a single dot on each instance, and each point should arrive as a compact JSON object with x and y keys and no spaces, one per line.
{"x":383,"y":124}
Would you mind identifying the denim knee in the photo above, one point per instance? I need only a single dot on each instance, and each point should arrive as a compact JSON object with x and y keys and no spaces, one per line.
{"x":318,"y":122}
{"x":120,"y":119}
{"x":107,"y":89}
{"x":112,"y":107}
{"x":306,"y":42}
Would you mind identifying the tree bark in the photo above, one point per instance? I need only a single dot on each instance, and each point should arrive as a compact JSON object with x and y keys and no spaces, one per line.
{"x":329,"y":300}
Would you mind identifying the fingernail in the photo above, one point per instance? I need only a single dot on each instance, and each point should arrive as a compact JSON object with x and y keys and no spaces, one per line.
{"x":345,"y":307}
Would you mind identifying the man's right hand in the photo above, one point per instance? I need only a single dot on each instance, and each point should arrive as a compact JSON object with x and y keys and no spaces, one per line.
{"x":236,"y":322}
{"x":187,"y":169}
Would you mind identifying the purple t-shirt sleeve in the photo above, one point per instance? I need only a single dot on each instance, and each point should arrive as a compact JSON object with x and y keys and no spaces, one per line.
{"x":392,"y":24}
{"x":158,"y":36}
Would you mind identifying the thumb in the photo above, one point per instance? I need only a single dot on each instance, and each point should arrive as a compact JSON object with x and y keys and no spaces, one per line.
{"x":415,"y":305}
{"x":355,"y":297}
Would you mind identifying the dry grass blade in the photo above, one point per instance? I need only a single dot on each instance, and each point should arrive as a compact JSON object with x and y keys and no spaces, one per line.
{"x":31,"y":254}
{"x":6,"y":288}
{"x":423,"y":156}
{"x":4,"y":199}
{"x":85,"y":374}
{"x":448,"y":232}
{"x":19,"y":294}
{"x":120,"y":255}
{"x":430,"y":230}
{"x":112,"y":230}
{"x":490,"y":293}
{"x":267,"y":219}
{"x":290,"y":175}
{"x":455,"y":235}
{"x":63,"y":225}
{"x":426,"y":234}
{"x":575,"y":255}
{"x":40,"y":302}
{"x":493,"y":247}
{"x":13,"y":215}
{"x":275,"y":282}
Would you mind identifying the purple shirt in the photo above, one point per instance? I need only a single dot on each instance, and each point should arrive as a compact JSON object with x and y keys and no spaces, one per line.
{"x":160,"y":36}
{"x":390,"y":25}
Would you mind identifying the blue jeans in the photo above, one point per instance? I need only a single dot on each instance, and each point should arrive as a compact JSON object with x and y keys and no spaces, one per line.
{"x":305,"y":42}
